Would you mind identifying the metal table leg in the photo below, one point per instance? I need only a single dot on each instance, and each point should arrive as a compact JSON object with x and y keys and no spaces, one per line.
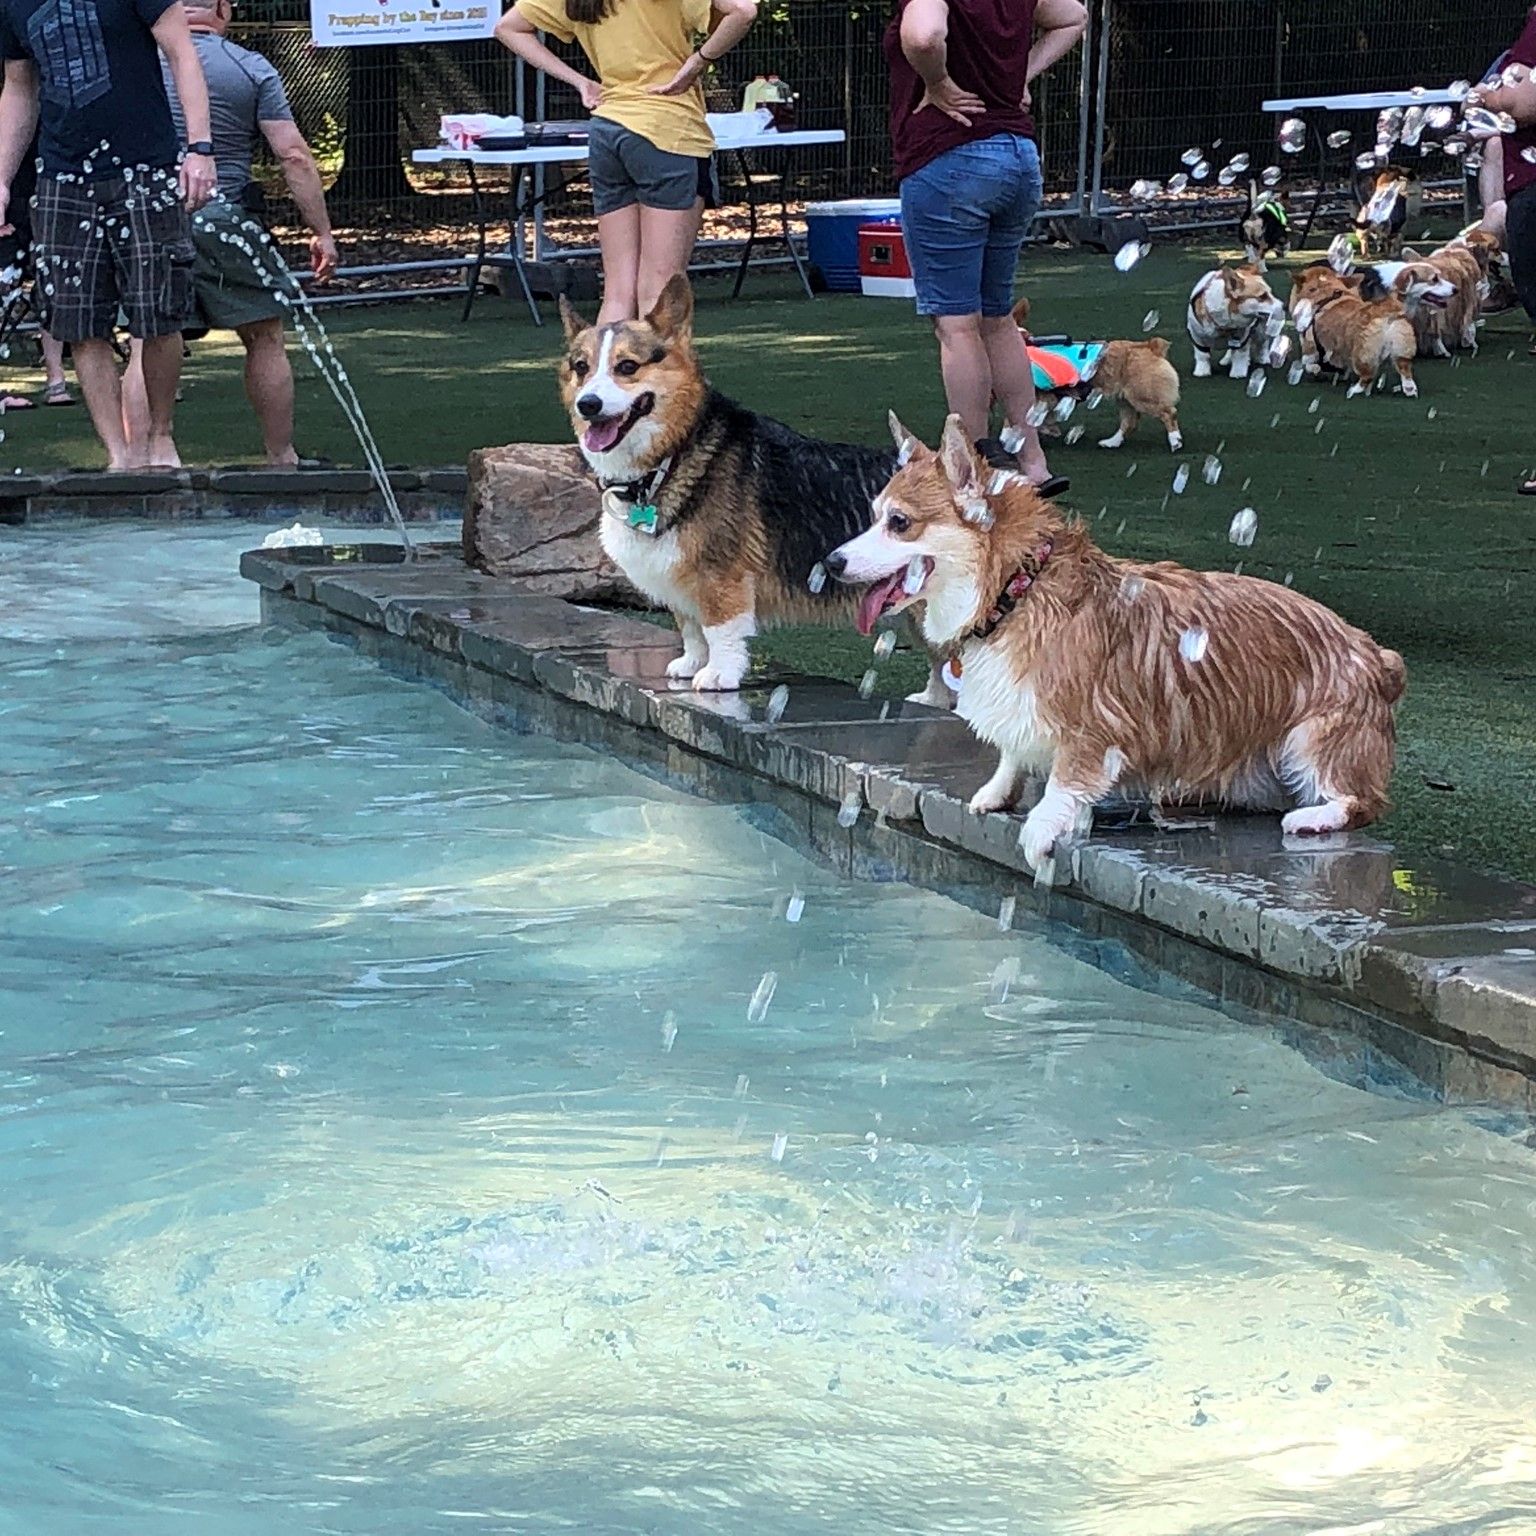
{"x":472,"y":276}
{"x":515,"y":244}
{"x":786,"y":165}
{"x":746,"y":255}
{"x":1322,"y":186}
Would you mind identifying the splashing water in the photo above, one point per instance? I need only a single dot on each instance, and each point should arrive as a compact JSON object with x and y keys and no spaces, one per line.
{"x":1145,"y":190}
{"x":757,"y":1009}
{"x":778,"y":702}
{"x":1341,"y":253}
{"x":1178,"y":183}
{"x":264,"y":257}
{"x":1483,"y":123}
{"x":885,"y":643}
{"x":1367,"y":161}
{"x":818,"y":577}
{"x":1256,"y":382}
{"x":1192,"y":156}
{"x":1151,"y":320}
{"x":1210,"y":471}
{"x":1271,"y":176}
{"x":1180,"y":479}
{"x":1339,"y":138}
{"x":1293,"y":135}
{"x":1239,"y":163}
{"x":1130,"y":253}
{"x":1193,"y":644}
{"x":1200,"y":170}
{"x":1383,"y":203}
{"x":1244,"y":528}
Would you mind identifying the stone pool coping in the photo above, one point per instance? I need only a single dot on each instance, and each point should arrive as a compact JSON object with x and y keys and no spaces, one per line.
{"x":345,"y":496}
{"x":1422,"y":964}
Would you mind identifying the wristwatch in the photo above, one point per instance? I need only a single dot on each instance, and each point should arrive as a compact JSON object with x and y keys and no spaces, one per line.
{"x":200,"y":147}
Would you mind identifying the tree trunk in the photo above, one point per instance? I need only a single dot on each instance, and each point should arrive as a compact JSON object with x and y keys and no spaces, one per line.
{"x":371,"y":169}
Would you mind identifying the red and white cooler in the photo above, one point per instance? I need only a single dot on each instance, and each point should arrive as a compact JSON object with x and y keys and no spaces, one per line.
{"x":884,"y":272}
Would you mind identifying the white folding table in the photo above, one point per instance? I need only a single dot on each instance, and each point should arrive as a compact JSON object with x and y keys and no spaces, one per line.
{"x":1351,"y":101}
{"x":517,"y":161}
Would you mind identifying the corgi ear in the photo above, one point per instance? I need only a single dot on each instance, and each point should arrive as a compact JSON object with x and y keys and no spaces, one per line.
{"x":907,"y":446}
{"x":673,"y":314}
{"x":573,"y":323}
{"x":961,"y":466}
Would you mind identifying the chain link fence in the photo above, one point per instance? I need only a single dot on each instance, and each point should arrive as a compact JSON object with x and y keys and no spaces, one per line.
{"x":1153,"y":78}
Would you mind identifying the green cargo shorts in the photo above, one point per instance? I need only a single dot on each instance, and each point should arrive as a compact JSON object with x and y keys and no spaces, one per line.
{"x":238,"y":275}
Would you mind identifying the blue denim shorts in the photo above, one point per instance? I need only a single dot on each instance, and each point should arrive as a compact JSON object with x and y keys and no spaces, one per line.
{"x":966,"y":216}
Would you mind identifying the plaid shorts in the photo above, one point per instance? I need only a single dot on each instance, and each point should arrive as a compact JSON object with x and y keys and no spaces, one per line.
{"x":113,"y":244}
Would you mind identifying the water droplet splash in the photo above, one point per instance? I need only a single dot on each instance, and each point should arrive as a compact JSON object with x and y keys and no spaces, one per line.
{"x":1178,"y":183}
{"x":1130,"y":253}
{"x":1192,"y":156}
{"x":1180,"y":479}
{"x":757,"y":1009}
{"x":885,"y":643}
{"x":1145,"y":190}
{"x":1271,"y":175}
{"x":1193,"y":644}
{"x":794,"y":908}
{"x":1484,"y":123}
{"x":818,"y":577}
{"x":1244,"y":528}
{"x":1293,"y":135}
{"x":780,"y":1147}
{"x":848,"y":811}
{"x":1210,"y":471}
{"x":1151,"y":320}
{"x":778,"y":702}
{"x":1256,"y":382}
{"x":1339,"y":138}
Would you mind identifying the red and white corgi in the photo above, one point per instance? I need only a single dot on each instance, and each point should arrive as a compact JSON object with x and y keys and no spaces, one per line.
{"x":1110,"y":675}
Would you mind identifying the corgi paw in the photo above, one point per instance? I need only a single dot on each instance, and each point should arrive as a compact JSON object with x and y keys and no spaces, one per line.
{"x":989,"y":798}
{"x":1314,"y":820}
{"x":935,"y":696}
{"x":1410,"y":389}
{"x":717,"y":679}
{"x":684,"y":666}
{"x":1175,"y":442}
{"x":1356,"y":389}
{"x":1202,"y":367}
{"x":1240,"y":365}
{"x":1112,"y":442}
{"x":1044,"y":828}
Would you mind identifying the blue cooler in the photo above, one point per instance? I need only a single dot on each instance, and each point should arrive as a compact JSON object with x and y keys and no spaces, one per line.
{"x":832,"y":236}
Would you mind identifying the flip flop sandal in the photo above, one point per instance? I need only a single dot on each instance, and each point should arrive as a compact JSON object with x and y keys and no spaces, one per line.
{"x":1057,"y":485}
{"x":1528,"y":489}
{"x":58,"y":394}
{"x":17,"y":403}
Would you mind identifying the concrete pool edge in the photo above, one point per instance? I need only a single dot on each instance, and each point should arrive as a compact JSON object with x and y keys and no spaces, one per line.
{"x":1425,"y":963}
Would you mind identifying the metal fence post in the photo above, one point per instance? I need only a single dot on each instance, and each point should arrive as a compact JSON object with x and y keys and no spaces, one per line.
{"x":1106,"y":22}
{"x":1084,"y":96}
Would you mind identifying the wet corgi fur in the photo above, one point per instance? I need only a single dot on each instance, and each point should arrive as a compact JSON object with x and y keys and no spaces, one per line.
{"x":1233,"y":318}
{"x":1466,"y":264}
{"x":1342,"y":327}
{"x":1137,"y":375}
{"x":1110,"y":675}
{"x":711,"y":510}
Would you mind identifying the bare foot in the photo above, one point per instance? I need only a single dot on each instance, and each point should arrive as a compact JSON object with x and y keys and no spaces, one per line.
{"x":288,"y":460}
{"x":162,"y":454}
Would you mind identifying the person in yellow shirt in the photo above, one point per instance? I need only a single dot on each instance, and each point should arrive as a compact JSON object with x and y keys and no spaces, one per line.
{"x":650,"y":148}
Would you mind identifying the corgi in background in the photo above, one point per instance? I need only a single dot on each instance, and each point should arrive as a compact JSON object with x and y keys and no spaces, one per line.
{"x":1233,"y":318}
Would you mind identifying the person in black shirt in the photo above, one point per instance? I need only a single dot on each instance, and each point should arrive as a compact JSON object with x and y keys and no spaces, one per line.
{"x":111,"y":217}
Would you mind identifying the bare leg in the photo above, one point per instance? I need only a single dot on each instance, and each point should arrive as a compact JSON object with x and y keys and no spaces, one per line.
{"x":618,"y":234}
{"x":1490,"y":187}
{"x":967,"y":371}
{"x":666,"y":246}
{"x":269,"y":387}
{"x":136,"y":404}
{"x":162,"y":371}
{"x":53,"y":361}
{"x":96,"y":368}
{"x":1013,"y":382}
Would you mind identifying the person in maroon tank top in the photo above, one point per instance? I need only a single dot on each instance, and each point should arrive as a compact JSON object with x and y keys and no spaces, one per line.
{"x":1516,"y":95}
{"x":963,"y":143}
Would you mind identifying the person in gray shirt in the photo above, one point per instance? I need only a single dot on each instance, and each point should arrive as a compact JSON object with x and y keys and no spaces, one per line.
{"x":241,"y":282}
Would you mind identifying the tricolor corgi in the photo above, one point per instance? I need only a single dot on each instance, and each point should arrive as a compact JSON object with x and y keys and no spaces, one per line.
{"x":1233,"y":317}
{"x":712,"y":511}
{"x":1108,"y":675}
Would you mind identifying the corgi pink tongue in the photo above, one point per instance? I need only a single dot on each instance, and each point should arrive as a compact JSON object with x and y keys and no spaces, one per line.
{"x":602,"y":435}
{"x":874,"y":600}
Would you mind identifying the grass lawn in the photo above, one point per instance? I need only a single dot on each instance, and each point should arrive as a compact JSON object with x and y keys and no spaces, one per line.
{"x":1403,"y":520}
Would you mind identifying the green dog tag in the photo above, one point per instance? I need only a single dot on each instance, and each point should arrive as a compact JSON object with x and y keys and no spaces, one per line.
{"x":643,"y":518}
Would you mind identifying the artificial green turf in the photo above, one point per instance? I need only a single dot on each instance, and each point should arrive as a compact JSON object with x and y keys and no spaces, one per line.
{"x":1407,"y":524}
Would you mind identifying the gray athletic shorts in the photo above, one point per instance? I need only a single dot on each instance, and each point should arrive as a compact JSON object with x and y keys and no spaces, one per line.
{"x":625,"y":168}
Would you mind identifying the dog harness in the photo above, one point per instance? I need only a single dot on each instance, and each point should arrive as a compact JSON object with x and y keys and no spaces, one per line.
{"x":633,"y":502}
{"x":1013,"y":590}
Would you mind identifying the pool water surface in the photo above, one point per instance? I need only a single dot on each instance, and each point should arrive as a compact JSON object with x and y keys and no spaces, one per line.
{"x":411,"y":1127}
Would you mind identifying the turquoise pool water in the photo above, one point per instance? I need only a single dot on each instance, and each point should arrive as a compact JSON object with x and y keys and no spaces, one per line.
{"x":388,"y":1149}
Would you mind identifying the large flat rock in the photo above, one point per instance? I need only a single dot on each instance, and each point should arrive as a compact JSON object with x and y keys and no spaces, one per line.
{"x":531,"y":515}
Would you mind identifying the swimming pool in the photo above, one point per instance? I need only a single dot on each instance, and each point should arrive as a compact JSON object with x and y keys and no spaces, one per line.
{"x":414,"y":1128}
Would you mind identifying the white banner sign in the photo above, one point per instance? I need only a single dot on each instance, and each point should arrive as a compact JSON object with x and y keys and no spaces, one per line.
{"x":359,"y":23}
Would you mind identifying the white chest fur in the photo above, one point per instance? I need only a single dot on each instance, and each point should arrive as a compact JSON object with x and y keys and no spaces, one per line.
{"x":649,"y":560}
{"x":1000,"y":707}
